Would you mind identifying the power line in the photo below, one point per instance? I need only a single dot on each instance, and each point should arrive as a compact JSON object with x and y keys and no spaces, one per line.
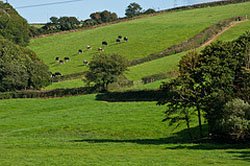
{"x":47,"y":4}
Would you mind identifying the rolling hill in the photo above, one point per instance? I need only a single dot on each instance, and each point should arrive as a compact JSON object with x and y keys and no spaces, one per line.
{"x":146,"y":35}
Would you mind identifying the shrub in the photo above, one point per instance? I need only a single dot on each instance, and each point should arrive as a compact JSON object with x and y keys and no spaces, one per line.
{"x":235,"y":122}
{"x":20,"y":68}
{"x":12,"y":26}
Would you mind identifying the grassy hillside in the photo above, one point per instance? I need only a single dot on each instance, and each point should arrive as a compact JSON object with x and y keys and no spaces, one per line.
{"x":83,"y":131}
{"x":235,"y":32}
{"x":146,"y":35}
{"x":75,"y":83}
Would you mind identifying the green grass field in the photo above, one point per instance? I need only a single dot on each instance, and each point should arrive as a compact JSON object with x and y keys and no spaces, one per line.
{"x":147,"y":35}
{"x":235,"y":32}
{"x":75,"y":83}
{"x":82,"y":131}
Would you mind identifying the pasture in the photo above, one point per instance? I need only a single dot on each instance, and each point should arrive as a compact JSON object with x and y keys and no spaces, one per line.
{"x":235,"y":32}
{"x":146,"y":35}
{"x":82,"y":131}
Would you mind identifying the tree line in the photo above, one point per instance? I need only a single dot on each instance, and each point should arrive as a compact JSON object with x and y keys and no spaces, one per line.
{"x":69,"y":23}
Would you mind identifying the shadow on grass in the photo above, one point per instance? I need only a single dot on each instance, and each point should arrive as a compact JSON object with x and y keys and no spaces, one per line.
{"x":131,"y":96}
{"x":181,"y":138}
{"x":241,"y":155}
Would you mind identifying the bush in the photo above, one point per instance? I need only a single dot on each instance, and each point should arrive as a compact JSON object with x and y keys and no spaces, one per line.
{"x":12,"y":26}
{"x":20,"y":68}
{"x":235,"y":123}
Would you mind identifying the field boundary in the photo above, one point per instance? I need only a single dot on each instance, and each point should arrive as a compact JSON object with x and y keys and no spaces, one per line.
{"x":47,"y":93}
{"x":124,"y":19}
{"x":192,"y":43}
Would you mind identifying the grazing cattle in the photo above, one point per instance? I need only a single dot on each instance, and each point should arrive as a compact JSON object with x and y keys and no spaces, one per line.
{"x":57,"y":74}
{"x":66,"y":59}
{"x":79,"y":51}
{"x":88,"y":47}
{"x":57,"y":59}
{"x":125,"y":39}
{"x":100,"y":49}
{"x":119,"y":37}
{"x":104,"y":43}
{"x":118,"y":40}
{"x":53,"y":76}
{"x":61,"y":62}
{"x":85,"y":62}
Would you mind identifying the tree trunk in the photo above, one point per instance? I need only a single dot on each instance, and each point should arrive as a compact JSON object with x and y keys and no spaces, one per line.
{"x":188,"y":124}
{"x":199,"y":118}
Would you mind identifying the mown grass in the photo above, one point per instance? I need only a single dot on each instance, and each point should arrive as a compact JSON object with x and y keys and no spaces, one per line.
{"x":82,"y":131}
{"x":147,"y":35}
{"x":235,"y":32}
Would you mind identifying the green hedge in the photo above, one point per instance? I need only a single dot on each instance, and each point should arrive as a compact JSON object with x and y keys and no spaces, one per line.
{"x":130,"y":96}
{"x":68,"y":77}
{"x":194,"y":42}
{"x":47,"y":94}
{"x":159,"y":76}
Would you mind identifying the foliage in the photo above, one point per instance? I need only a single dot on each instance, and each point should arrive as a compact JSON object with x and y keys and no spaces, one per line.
{"x":149,"y":11}
{"x":133,"y":9}
{"x":103,"y":17}
{"x":12,"y":26}
{"x":61,"y":24}
{"x":105,"y":69}
{"x":210,"y":79}
{"x":20,"y":68}
{"x":183,"y":93}
{"x":235,"y":122}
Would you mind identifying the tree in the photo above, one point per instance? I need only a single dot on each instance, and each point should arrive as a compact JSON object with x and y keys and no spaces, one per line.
{"x":103,"y":17}
{"x":133,"y":9}
{"x":97,"y":17}
{"x":149,"y":11}
{"x":209,"y":80}
{"x":107,"y":16}
{"x":105,"y":69}
{"x":54,"y":20}
{"x":68,"y":23}
{"x":184,"y":95}
{"x":20,"y":68}
{"x":12,"y":26}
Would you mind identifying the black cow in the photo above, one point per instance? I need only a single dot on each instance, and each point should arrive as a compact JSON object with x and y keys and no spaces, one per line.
{"x":118,"y":40}
{"x":66,"y":59}
{"x":85,"y":62}
{"x":88,"y":47}
{"x":79,"y":51}
{"x":119,"y":37}
{"x":61,"y":62}
{"x":57,"y":59}
{"x":53,"y":76}
{"x":104,"y":43}
{"x":100,"y":49}
{"x":57,"y":74}
{"x":125,"y":39}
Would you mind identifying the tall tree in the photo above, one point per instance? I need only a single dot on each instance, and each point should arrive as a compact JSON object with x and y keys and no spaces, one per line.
{"x":133,"y":9}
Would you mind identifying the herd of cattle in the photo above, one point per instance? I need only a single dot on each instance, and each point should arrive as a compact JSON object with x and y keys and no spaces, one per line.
{"x":80,"y":51}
